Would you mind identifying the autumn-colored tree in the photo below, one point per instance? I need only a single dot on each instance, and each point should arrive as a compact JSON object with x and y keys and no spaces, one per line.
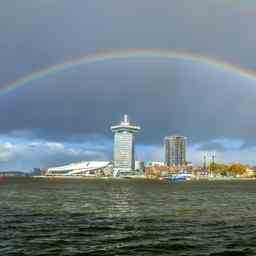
{"x":237,"y":169}
{"x":223,"y":169}
{"x":218,"y":168}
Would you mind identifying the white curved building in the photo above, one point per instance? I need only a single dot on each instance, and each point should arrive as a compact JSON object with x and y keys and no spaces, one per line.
{"x":91,"y":168}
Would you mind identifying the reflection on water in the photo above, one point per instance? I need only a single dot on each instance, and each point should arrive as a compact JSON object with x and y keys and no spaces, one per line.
{"x":125,"y":217}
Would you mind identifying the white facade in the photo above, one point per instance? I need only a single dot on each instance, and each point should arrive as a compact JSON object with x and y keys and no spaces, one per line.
{"x":124,"y":145}
{"x":79,"y":169}
{"x":155,"y":163}
{"x":139,"y":166}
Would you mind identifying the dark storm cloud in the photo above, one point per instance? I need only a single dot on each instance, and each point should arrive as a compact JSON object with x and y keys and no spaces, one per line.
{"x":164,"y":97}
{"x":221,"y":145}
{"x":212,"y":146}
{"x":48,"y":31}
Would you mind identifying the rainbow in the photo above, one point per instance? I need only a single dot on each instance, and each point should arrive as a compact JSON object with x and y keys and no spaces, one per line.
{"x":122,"y":55}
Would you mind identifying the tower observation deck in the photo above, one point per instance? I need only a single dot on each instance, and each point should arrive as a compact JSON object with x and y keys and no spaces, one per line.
{"x":124,"y":145}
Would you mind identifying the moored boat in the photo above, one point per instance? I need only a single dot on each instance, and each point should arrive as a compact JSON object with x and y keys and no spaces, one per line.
{"x":180,"y":177}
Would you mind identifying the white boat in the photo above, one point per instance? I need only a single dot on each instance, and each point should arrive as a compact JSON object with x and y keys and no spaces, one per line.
{"x":180,"y":177}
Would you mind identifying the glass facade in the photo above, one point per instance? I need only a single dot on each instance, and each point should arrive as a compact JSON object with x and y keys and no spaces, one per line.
{"x":175,"y":150}
{"x":124,"y":145}
{"x":124,"y":150}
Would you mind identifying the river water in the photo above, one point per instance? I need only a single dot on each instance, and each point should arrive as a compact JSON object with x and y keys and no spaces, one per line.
{"x":126,"y":217}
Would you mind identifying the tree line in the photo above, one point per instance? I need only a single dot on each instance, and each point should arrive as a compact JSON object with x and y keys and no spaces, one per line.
{"x":226,"y":170}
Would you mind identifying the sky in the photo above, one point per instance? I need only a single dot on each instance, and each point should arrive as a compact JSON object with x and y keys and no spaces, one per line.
{"x":66,"y":117}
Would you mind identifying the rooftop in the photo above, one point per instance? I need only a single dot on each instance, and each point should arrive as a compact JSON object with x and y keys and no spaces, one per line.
{"x":125,"y":125}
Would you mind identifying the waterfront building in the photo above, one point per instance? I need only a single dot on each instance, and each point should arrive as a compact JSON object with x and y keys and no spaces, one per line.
{"x":155,"y":163}
{"x":13,"y":174}
{"x":124,"y":140}
{"x":175,"y":150}
{"x":158,"y":171}
{"x":139,"y":166}
{"x":91,"y":168}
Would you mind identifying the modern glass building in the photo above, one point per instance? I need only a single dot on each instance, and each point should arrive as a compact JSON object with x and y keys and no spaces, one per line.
{"x":175,"y":150}
{"x":124,"y":145}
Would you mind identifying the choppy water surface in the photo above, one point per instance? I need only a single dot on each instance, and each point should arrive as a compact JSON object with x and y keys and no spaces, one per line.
{"x":125,"y":217}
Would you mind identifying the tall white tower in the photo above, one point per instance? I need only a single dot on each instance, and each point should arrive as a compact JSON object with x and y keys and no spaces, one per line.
{"x":124,"y":145}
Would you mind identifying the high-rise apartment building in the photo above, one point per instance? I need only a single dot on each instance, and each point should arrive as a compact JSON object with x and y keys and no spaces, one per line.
{"x":175,"y":150}
{"x":124,"y":145}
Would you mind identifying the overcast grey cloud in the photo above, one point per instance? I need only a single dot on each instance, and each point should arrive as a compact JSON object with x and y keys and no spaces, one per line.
{"x":204,"y":103}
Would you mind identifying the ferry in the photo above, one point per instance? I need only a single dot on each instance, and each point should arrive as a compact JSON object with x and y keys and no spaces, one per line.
{"x":180,"y":177}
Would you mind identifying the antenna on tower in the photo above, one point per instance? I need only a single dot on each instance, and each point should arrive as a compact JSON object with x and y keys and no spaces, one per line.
{"x":126,"y":119}
{"x":213,"y":163}
{"x":213,"y":157}
{"x":204,"y":161}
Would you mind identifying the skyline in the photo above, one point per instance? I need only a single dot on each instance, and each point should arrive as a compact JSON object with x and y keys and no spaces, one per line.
{"x":206,"y":155}
{"x":64,"y":117}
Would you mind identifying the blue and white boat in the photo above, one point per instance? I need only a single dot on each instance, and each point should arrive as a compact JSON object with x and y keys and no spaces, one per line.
{"x":180,"y":177}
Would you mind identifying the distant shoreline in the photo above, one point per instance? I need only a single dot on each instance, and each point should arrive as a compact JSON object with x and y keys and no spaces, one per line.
{"x":88,"y":177}
{"x":137,"y":177}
